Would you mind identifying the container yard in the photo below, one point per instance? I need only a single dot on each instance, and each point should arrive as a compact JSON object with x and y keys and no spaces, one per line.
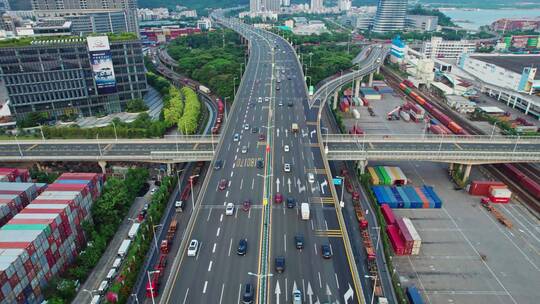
{"x":407,"y":196}
{"x":44,"y":237}
{"x":14,"y":197}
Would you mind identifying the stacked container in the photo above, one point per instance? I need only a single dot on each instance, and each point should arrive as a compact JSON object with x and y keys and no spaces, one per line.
{"x":481,"y":188}
{"x":374,"y":177}
{"x":395,"y":240}
{"x":417,"y":241}
{"x":405,"y":236}
{"x":407,"y":196}
{"x":14,"y":197}
{"x":386,"y":175}
{"x":14,"y":175}
{"x":43,"y":239}
{"x":388,"y":214}
{"x":499,"y":194}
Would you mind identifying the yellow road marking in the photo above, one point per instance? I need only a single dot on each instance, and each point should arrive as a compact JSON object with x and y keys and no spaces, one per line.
{"x":311,"y":123}
{"x":458,"y":146}
{"x":195,"y":146}
{"x":32,"y":147}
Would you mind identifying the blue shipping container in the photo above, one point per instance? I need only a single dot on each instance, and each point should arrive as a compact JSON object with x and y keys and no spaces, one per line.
{"x":416,"y":202}
{"x":396,"y":195}
{"x":436,"y":199}
{"x":406,"y":201}
{"x":414,"y":295}
{"x":390,"y":195}
{"x":378,"y":194}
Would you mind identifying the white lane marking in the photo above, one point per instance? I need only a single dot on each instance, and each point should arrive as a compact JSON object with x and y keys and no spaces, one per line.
{"x":239,"y":291}
{"x":312,"y":227}
{"x":252,"y":183}
{"x":237,"y":149}
{"x":315,"y":246}
{"x":285,"y":242}
{"x":326,"y":224}
{"x":233,"y":165}
{"x":320,"y":281}
{"x":221,"y":218}
{"x":209,"y":213}
{"x":205,"y":285}
{"x":337,"y":281}
{"x":185,"y":296}
{"x":230,"y":246}
{"x":241,"y":183}
{"x":214,"y":248}
{"x":227,"y":193}
{"x":221,"y":296}
{"x":232,"y":173}
{"x":218,"y":230}
{"x":236,"y":156}
{"x":210,"y":266}
{"x":286,"y":293}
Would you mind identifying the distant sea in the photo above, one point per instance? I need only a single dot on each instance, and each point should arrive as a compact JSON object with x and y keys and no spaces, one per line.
{"x":474,"y":18}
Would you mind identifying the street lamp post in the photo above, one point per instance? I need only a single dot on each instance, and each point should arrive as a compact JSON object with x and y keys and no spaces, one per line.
{"x":155,"y":238}
{"x":374,"y":278}
{"x":342,"y":186}
{"x":493,"y":130}
{"x":114,"y":128}
{"x":225,"y":105}
{"x":151,"y":285}
{"x":234,"y":86}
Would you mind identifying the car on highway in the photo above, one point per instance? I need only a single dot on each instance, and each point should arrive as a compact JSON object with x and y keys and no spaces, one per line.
{"x":254,"y":130}
{"x":247,"y":298}
{"x":244,"y":149}
{"x":297,"y":296}
{"x":236,"y":137}
{"x":262,"y":137}
{"x":218,"y":164}
{"x":311,"y":178}
{"x":259,"y":100}
{"x":267,"y":99}
{"x":229,"y":210}
{"x":299,"y":241}
{"x":242,"y":247}
{"x":179,"y":205}
{"x":279,"y":264}
{"x":289,"y":77}
{"x":326,"y":251}
{"x":153,"y":190}
{"x":290,"y":104}
{"x":260,"y":164}
{"x":145,"y":207}
{"x":280,"y":103}
{"x":287,"y":167}
{"x":246,"y":127}
{"x":278,"y":198}
{"x":193,"y":248}
{"x":222,"y":184}
{"x":246,"y":205}
{"x":278,"y":80}
{"x":291,"y":202}
{"x":286,"y":148}
{"x":277,"y":88}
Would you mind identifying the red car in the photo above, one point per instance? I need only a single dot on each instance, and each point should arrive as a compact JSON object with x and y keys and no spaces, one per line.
{"x":222,"y":184}
{"x":278,"y":198}
{"x":246,"y":205}
{"x":262,"y":137}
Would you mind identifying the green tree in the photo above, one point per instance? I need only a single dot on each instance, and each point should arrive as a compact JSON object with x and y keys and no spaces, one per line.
{"x":136,"y":105}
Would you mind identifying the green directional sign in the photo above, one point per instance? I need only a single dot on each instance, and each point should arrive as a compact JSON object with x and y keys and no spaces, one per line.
{"x":311,"y":90}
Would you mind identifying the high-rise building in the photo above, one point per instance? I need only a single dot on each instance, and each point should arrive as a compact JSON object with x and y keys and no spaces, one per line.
{"x":271,"y":5}
{"x":286,"y":3}
{"x":254,"y":6}
{"x":83,"y":76}
{"x":344,"y":5}
{"x":85,"y":22}
{"x":390,"y":16}
{"x":4,"y":6}
{"x":104,"y":8}
{"x":317,"y":5}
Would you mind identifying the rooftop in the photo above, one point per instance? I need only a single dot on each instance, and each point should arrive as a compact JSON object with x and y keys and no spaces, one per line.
{"x":514,"y":63}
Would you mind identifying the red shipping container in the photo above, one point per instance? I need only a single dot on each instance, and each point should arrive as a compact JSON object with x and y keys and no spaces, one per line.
{"x":395,"y":240}
{"x":388,"y":214}
{"x":481,"y":188}
{"x":500,"y":200}
{"x":14,"y":280}
{"x":405,"y":236}
{"x":3,"y":278}
{"x":423,"y":198}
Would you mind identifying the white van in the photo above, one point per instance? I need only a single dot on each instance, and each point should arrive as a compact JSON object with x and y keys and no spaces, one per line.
{"x":111,"y":274}
{"x":95,"y":299}
{"x":311,"y":178}
{"x":102,"y":287}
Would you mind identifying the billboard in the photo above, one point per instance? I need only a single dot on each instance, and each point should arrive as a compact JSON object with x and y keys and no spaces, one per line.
{"x":102,"y":66}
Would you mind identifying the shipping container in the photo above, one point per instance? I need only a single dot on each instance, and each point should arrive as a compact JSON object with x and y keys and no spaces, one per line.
{"x":388,"y":214}
{"x":405,"y":236}
{"x":400,"y":178}
{"x":385,"y":177}
{"x":414,"y":295}
{"x":417,"y":241}
{"x":390,"y":174}
{"x":374,"y":176}
{"x":395,"y":240}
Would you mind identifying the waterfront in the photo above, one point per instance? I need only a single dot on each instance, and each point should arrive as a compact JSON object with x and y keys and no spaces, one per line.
{"x":477,"y":17}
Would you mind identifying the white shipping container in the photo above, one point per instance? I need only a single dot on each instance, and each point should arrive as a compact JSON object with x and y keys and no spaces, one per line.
{"x":133,"y":230}
{"x":356,"y":114}
{"x":417,"y":241}
{"x":502,"y":193}
{"x":124,"y":248}
{"x":405,"y":115}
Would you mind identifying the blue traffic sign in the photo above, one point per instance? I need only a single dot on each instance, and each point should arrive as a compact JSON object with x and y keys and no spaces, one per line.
{"x":337,"y":181}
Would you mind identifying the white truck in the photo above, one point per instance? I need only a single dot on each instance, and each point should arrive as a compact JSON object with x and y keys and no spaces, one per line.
{"x":124,"y":248}
{"x":305,"y":211}
{"x":356,"y":114}
{"x":204,"y":89}
{"x":133,"y":230}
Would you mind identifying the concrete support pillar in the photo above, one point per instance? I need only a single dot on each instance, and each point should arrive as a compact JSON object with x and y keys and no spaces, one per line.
{"x":528,"y":107}
{"x":357,"y":88}
{"x":103,"y":165}
{"x":451,"y":168}
{"x":378,"y":69}
{"x":515,"y":102}
{"x":370,"y":82}
{"x":336,"y":96}
{"x":361,"y":165}
{"x":467,"y":172}
{"x":169,"y":169}
{"x":39,"y":167}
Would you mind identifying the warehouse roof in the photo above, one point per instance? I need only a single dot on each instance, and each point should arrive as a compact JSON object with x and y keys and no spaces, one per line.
{"x":514,"y":63}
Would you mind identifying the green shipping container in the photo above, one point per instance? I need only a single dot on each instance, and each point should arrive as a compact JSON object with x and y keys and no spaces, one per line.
{"x":407,"y":91}
{"x":386,"y":178}
{"x":508,"y":40}
{"x":532,"y":42}
{"x":379,"y":174}
{"x":25,"y":226}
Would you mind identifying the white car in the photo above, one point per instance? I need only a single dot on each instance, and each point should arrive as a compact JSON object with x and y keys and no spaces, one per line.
{"x":153,"y":191}
{"x":311,"y":178}
{"x":267,"y":99}
{"x":244,"y":149}
{"x":229,"y":210}
{"x":297,"y":296}
{"x":286,"y":148}
{"x":287,"y":167}
{"x":193,"y":248}
{"x":259,"y":100}
{"x":246,"y":127}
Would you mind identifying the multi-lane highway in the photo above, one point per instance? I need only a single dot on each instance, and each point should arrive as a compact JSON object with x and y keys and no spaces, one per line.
{"x":272,"y":96}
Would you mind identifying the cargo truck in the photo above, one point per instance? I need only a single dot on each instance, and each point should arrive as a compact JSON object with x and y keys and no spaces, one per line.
{"x":133,"y":230}
{"x":294,"y":128}
{"x":124,"y":248}
{"x":204,"y":89}
{"x":305,"y":211}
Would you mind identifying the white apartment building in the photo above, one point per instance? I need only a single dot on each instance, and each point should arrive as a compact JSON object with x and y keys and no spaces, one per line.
{"x":439,"y":48}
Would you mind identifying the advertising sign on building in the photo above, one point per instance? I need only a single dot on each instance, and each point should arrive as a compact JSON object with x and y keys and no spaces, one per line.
{"x":101,"y":62}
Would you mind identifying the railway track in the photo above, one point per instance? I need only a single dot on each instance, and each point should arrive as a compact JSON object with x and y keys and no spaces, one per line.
{"x":533,"y":172}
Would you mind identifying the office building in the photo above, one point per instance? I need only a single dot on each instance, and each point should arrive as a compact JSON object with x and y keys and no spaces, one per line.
{"x":92,"y":13}
{"x":422,"y":23}
{"x":286,"y":3}
{"x":4,"y":6}
{"x":254,"y":6}
{"x":390,"y":16}
{"x":72,"y":75}
{"x":271,"y":5}
{"x":317,"y":6}
{"x":344,"y":5}
{"x":439,"y":48}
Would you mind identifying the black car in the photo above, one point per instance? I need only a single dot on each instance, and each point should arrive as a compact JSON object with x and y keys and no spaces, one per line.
{"x":291,"y":202}
{"x":242,"y":247}
{"x":218,"y":164}
{"x":279,"y":264}
{"x":260,"y":164}
{"x":325,"y":251}
{"x":254,"y":130}
{"x":290,"y":104}
{"x":299,"y":241}
{"x":248,"y":294}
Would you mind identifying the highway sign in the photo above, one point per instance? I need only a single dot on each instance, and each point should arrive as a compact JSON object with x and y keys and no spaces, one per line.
{"x":265,"y":201}
{"x":337,"y":181}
